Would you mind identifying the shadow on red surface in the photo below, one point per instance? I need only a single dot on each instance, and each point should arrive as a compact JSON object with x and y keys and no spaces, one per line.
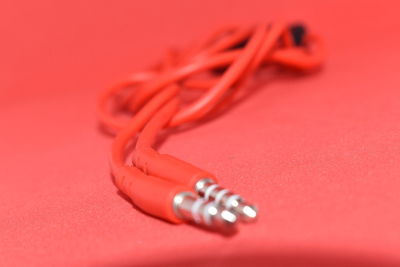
{"x":275,"y":260}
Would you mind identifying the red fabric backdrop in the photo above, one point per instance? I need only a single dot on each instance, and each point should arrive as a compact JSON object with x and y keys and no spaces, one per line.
{"x":319,"y":154}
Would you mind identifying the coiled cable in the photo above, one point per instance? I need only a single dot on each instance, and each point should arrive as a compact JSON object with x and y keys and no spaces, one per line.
{"x":147,"y":102}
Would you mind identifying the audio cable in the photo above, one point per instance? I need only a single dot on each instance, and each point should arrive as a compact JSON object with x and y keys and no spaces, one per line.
{"x":184,"y":89}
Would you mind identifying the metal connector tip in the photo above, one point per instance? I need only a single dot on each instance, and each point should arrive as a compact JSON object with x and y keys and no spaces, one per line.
{"x":228,"y":218}
{"x":206,"y":213}
{"x":225,"y":199}
{"x":248,"y":213}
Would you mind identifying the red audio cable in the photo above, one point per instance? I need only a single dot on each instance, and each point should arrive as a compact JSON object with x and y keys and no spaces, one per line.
{"x":148,"y":102}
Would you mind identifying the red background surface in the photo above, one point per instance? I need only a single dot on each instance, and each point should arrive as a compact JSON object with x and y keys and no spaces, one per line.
{"x":319,"y":154}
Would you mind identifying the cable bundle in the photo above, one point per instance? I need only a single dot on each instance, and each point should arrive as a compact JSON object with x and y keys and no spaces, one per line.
{"x":147,"y":102}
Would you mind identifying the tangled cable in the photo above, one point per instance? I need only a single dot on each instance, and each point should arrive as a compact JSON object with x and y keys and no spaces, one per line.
{"x":147,"y":102}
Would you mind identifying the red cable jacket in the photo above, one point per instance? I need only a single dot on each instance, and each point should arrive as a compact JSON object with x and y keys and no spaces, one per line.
{"x":151,"y":194}
{"x":164,"y":166}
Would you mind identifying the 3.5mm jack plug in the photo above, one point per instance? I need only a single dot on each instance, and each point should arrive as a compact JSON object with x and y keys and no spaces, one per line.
{"x":210,"y":190}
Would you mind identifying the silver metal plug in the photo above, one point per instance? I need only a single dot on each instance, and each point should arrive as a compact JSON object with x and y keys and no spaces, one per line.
{"x":209,"y":190}
{"x":190,"y":207}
